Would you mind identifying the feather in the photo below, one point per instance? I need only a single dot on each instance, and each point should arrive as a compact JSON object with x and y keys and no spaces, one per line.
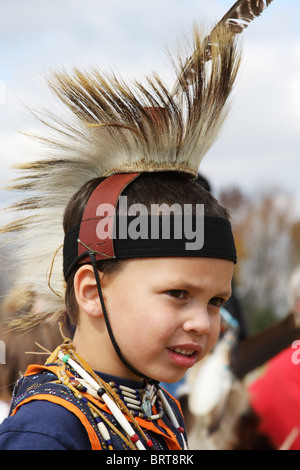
{"x":112,"y":126}
{"x":235,"y":20}
{"x":242,"y":13}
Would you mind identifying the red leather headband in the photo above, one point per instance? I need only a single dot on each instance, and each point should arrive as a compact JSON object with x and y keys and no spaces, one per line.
{"x":107,"y":192}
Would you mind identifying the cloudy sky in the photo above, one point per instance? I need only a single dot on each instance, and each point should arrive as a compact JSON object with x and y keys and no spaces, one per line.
{"x":259,"y":146}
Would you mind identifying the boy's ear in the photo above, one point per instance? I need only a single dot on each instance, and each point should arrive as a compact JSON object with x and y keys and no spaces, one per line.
{"x":86,"y":291}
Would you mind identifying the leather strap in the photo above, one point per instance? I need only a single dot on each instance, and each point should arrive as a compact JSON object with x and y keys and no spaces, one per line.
{"x":107,"y":192}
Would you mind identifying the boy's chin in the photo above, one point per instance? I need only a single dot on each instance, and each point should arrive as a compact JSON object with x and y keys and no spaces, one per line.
{"x":169,"y":379}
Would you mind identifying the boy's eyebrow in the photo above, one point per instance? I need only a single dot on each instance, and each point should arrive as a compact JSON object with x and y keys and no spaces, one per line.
{"x":226,"y":294}
{"x":187,"y":285}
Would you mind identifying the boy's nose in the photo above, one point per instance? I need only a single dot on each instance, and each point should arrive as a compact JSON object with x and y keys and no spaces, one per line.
{"x":197,"y":321}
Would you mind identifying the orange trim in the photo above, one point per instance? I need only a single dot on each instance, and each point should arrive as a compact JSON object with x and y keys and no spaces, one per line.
{"x":36,"y":368}
{"x":169,"y":437}
{"x":95,"y":443}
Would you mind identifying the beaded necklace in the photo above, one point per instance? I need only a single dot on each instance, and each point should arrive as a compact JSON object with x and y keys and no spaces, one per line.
{"x":140,"y":402}
{"x":123,"y":402}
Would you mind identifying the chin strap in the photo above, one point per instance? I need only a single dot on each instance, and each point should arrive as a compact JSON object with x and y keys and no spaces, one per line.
{"x":108,"y":325}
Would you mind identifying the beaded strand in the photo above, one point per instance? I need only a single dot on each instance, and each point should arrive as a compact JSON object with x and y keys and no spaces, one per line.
{"x":116,"y":412}
{"x":97,"y":415}
{"x":173,"y":418}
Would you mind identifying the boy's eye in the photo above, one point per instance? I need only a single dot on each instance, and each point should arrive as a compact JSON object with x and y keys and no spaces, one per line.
{"x":217,"y":301}
{"x":177,"y":293}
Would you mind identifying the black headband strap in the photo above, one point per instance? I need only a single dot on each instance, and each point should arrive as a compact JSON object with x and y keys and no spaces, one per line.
{"x":217,"y":237}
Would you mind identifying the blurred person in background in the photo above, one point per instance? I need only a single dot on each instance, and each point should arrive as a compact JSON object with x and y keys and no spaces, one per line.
{"x":274,"y":395}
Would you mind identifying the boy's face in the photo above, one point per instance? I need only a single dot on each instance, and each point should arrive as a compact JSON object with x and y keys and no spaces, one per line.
{"x":165,"y":313}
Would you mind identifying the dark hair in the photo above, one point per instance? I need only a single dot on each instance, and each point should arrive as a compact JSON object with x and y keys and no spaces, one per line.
{"x":148,"y":188}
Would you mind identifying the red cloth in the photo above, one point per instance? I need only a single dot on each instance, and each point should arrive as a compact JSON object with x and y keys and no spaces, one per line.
{"x":275,"y":397}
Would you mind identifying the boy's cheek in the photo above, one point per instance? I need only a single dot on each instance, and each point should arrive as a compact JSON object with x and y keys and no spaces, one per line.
{"x":215,"y":334}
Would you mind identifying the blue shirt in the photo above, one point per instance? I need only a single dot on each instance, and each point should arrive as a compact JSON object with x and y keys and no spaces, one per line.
{"x":42,"y":425}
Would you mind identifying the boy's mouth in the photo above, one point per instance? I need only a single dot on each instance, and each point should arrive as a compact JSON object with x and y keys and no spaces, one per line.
{"x":184,"y":356}
{"x":183,"y":352}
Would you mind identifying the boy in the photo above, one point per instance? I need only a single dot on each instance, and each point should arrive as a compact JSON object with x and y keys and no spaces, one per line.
{"x":143,"y":281}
